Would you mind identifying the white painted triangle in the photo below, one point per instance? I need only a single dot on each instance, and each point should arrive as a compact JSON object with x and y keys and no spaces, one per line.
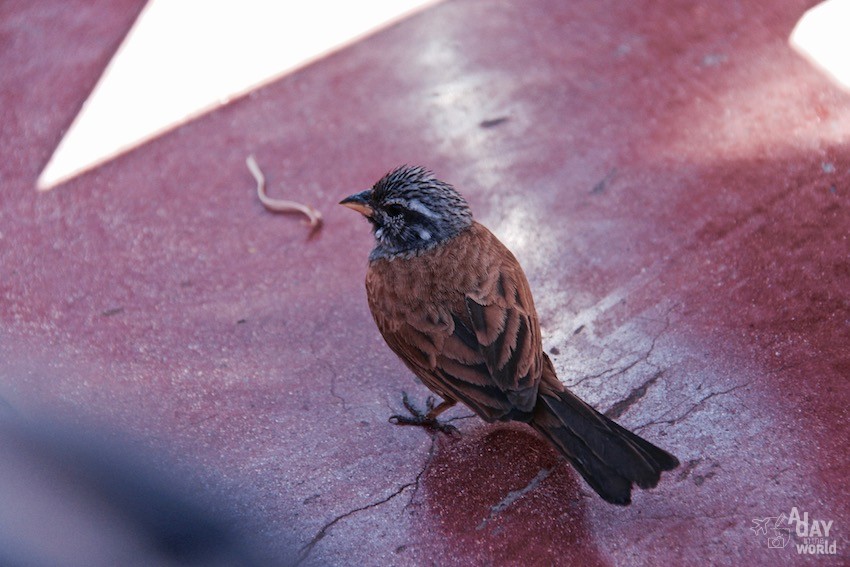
{"x":185,"y":57}
{"x":822,"y":37}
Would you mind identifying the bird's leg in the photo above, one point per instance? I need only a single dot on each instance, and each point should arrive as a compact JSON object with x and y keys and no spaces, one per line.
{"x":427,"y":420}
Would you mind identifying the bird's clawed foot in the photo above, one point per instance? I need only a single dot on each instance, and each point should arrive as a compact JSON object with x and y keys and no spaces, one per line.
{"x":428,"y":419}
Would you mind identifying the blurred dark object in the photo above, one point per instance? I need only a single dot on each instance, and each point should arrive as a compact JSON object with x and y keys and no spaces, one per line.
{"x":75,"y":499}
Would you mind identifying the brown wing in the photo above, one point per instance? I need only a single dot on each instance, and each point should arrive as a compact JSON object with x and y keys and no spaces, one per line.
{"x":474,"y":338}
{"x":508,"y":334}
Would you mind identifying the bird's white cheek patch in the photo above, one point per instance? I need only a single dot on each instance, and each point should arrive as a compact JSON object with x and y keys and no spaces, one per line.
{"x":424,"y":234}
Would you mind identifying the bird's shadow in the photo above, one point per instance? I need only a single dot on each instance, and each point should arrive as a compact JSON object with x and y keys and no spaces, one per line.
{"x":500,"y":492}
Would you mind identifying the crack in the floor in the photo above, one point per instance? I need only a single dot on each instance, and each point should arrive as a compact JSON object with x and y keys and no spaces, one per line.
{"x":621,"y":407}
{"x":693,"y":408}
{"x":513,"y":496}
{"x":611,"y":372}
{"x":422,"y":471}
{"x":337,"y":396}
{"x":780,"y":472}
{"x":687,"y":468}
{"x":308,"y":547}
{"x":333,"y":376}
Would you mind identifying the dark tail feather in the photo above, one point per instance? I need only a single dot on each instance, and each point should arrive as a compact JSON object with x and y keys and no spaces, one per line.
{"x":608,"y":456}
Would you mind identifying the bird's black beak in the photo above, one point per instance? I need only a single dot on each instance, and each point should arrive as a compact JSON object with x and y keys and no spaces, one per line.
{"x":359,"y":202}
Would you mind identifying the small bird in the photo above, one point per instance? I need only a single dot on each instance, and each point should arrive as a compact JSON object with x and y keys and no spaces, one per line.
{"x":454,"y":304}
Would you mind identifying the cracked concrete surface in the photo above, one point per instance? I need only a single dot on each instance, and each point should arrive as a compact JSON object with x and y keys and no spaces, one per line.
{"x":413,"y":485}
{"x":673,"y":178}
{"x":621,"y":407}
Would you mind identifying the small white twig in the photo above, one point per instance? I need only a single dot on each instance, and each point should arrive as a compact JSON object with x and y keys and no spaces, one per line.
{"x":280,"y":205}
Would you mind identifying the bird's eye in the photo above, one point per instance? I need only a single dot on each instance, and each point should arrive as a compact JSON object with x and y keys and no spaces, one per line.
{"x":394,"y":210}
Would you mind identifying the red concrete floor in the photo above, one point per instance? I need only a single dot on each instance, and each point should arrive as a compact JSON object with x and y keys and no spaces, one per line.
{"x":672,"y":176}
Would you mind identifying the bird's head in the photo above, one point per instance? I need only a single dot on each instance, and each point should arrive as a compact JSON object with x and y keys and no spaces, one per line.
{"x":410,"y":211}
